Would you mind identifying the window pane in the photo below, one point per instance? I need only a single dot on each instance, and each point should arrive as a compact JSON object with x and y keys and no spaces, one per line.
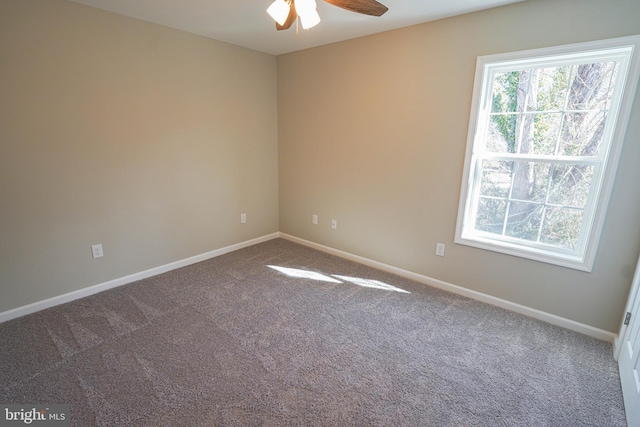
{"x":570,"y":185}
{"x":551,"y":88}
{"x":505,"y":86}
{"x":496,"y":178}
{"x":501,"y":137}
{"x":592,"y":86}
{"x":530,"y":181}
{"x":490,"y":216}
{"x":546,"y":132}
{"x":561,"y":227}
{"x":582,"y":133}
{"x":524,"y":221}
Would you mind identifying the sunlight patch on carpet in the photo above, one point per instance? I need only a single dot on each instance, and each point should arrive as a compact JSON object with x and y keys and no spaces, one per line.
{"x":304,"y":274}
{"x":370,"y":283}
{"x":314,"y":275}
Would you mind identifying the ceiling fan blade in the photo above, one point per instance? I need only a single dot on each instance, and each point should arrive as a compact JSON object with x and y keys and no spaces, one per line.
{"x":290,"y":19}
{"x":367,"y":7}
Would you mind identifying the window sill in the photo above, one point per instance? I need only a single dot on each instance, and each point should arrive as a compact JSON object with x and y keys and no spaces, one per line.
{"x":576,"y":262}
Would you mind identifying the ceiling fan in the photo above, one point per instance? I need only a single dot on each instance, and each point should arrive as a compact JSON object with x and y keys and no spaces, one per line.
{"x":285,"y":12}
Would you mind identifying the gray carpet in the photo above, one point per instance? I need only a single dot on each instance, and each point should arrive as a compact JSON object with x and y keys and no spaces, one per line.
{"x":233,"y":342}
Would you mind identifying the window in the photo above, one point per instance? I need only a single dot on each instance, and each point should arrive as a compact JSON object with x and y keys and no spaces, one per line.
{"x":545,"y":135}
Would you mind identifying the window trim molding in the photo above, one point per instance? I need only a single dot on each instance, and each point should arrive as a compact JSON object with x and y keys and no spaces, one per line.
{"x":584,"y":258}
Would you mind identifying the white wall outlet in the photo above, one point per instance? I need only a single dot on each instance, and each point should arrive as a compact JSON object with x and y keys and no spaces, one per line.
{"x":440,"y":249}
{"x":314,"y":219}
{"x":243,"y":218}
{"x":334,"y":224}
{"x":96,"y":251}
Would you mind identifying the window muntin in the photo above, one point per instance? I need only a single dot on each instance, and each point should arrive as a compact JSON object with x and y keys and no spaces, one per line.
{"x":542,"y":145}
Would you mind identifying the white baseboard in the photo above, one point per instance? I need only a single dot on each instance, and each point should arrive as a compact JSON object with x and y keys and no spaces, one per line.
{"x":599,"y":334}
{"x":84,"y":292}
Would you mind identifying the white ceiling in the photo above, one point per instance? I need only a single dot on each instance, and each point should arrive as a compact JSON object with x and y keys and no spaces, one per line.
{"x":246,"y":23}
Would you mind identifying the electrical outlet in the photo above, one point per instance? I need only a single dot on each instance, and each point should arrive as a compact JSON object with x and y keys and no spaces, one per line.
{"x":243,"y":218}
{"x":96,"y":251}
{"x":334,"y":224}
{"x":440,"y":249}
{"x":314,"y":219}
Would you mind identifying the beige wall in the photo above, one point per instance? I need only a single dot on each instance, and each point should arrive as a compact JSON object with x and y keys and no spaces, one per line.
{"x":148,"y":140}
{"x":372,"y":132}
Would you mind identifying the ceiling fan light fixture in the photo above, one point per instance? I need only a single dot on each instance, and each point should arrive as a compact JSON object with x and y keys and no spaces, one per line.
{"x":307,"y":12}
{"x":304,"y":7}
{"x":287,"y":12}
{"x":310,"y":20}
{"x":279,"y":10}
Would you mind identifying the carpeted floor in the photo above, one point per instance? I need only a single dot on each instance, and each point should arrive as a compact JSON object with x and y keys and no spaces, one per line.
{"x":318,"y":341}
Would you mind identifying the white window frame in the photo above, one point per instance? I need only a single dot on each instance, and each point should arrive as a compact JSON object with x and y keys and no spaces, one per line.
{"x":623,"y":49}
